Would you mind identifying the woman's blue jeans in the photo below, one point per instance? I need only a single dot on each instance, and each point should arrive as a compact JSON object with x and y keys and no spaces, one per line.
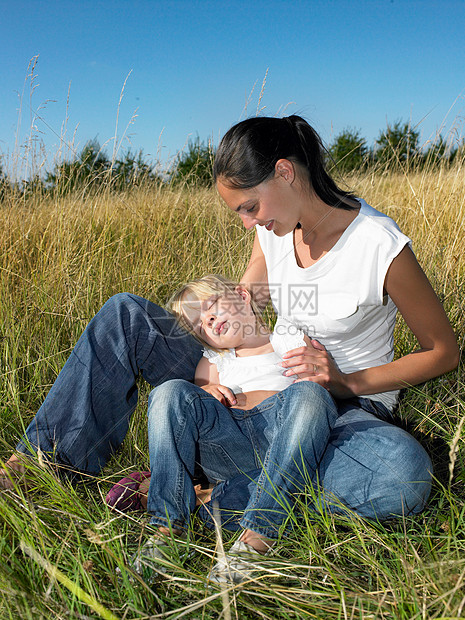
{"x":370,"y":466}
{"x":86,"y":414}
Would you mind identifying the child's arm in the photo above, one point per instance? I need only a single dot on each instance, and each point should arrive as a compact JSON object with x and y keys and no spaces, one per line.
{"x":207,"y":377}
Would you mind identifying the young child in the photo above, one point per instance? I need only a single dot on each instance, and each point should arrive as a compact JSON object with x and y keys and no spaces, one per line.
{"x":240,"y":363}
{"x":241,"y":355}
{"x":240,"y":367}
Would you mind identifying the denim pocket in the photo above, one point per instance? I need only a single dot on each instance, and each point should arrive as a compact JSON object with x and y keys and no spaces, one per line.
{"x":366,"y":404}
{"x":221,"y":464}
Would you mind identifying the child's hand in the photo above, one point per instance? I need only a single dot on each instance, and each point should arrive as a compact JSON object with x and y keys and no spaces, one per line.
{"x":221,"y":393}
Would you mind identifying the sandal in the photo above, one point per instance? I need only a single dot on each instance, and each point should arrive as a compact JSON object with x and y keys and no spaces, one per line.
{"x":160,"y":556}
{"x":124,"y":495}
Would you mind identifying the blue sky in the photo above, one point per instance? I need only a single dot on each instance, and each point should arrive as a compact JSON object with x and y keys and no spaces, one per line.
{"x":194,"y":65}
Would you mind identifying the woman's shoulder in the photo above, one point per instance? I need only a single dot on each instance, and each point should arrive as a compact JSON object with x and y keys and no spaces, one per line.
{"x":375,"y":218}
{"x":375,"y":227}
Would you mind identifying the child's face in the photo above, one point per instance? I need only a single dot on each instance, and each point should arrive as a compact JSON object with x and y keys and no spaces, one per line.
{"x":224,"y":320}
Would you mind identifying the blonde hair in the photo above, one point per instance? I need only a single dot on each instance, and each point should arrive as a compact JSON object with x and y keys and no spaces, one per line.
{"x":202,"y":289}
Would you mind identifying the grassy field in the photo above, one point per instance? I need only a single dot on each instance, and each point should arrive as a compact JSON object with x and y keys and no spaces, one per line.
{"x":60,"y":259}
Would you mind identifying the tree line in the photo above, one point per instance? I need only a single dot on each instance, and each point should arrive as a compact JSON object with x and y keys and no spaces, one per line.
{"x":396,"y":148}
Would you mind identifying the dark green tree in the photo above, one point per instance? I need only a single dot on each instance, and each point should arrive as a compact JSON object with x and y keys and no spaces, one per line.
{"x":89,"y":169}
{"x":131,"y":171}
{"x":349,"y":150}
{"x":457,"y":153}
{"x":4,"y":184}
{"x":34,"y":186}
{"x":194,"y":166}
{"x":93,"y":161}
{"x":397,"y":145}
{"x":436,"y":153}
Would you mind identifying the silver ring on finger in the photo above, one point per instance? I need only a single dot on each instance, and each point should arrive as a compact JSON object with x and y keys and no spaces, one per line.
{"x":315,"y":368}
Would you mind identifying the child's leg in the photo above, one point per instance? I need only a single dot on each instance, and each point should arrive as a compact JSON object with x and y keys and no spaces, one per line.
{"x":298,"y":429}
{"x":230,"y":498}
{"x":183,"y":417}
{"x":202,"y":496}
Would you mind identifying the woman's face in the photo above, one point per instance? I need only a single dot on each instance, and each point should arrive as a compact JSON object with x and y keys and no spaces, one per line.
{"x":274,"y":204}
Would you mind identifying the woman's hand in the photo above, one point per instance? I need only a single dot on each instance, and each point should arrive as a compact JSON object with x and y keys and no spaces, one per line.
{"x":314,"y":363}
{"x":221,"y":393}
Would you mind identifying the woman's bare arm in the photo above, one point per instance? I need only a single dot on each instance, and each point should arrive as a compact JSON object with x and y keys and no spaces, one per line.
{"x":255,"y":277}
{"x":409,"y":288}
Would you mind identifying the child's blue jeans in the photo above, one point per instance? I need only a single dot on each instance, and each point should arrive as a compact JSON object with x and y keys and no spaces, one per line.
{"x":285,"y":437}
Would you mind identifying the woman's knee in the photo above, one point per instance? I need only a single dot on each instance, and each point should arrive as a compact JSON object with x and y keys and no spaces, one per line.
{"x":376,"y":469}
{"x":119,"y":301}
{"x":119,"y":311}
{"x":407,"y":459}
{"x":410,"y":472}
{"x":130,"y":305}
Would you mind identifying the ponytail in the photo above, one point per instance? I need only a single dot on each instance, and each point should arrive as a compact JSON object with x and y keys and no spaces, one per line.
{"x":248,"y":153}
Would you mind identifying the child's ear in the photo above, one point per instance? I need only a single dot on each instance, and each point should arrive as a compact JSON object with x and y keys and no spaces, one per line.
{"x":243,"y":292}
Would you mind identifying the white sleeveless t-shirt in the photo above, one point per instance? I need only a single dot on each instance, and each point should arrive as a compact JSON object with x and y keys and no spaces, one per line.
{"x":339,"y":300}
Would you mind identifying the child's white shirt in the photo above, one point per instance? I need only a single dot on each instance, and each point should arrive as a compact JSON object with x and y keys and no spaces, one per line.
{"x":258,"y":372}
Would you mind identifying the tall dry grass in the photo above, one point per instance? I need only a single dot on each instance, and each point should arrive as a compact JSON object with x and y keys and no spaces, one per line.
{"x":60,"y":259}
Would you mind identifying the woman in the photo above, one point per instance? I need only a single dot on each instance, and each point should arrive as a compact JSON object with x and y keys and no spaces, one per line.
{"x":339,"y":270}
{"x":331,"y":264}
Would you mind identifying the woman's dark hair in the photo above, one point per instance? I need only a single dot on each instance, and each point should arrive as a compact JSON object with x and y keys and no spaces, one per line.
{"x":248,"y":152}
